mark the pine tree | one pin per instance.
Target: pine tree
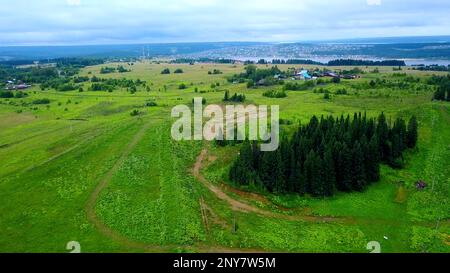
(383, 136)
(271, 173)
(373, 160)
(313, 172)
(411, 134)
(266, 170)
(358, 172)
(338, 163)
(286, 151)
(256, 156)
(227, 96)
(396, 151)
(294, 176)
(346, 162)
(328, 172)
(440, 93)
(400, 130)
(279, 181)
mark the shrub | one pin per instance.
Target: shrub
(107, 70)
(342, 92)
(293, 86)
(178, 71)
(151, 104)
(165, 71)
(135, 112)
(275, 94)
(336, 80)
(122, 69)
(6, 94)
(20, 95)
(41, 101)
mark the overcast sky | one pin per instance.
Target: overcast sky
(57, 22)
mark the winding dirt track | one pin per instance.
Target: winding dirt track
(236, 205)
(245, 207)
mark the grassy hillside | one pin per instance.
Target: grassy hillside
(83, 169)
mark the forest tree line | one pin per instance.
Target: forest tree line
(326, 156)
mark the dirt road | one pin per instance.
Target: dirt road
(245, 207)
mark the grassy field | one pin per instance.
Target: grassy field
(83, 169)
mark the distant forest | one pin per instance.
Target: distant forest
(349, 62)
(326, 156)
(339, 62)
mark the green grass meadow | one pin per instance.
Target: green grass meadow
(54, 156)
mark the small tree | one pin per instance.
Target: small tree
(411, 134)
(165, 71)
(226, 96)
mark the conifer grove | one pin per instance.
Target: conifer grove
(327, 155)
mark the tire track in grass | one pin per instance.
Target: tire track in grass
(90, 205)
(124, 240)
(70, 149)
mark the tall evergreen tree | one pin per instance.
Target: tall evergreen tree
(440, 93)
(345, 184)
(226, 96)
(278, 173)
(286, 151)
(373, 160)
(328, 172)
(412, 133)
(383, 137)
(313, 172)
(358, 172)
(266, 170)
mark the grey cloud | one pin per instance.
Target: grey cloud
(118, 21)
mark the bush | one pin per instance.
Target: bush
(165, 71)
(66, 87)
(234, 98)
(107, 70)
(336, 80)
(179, 71)
(215, 72)
(20, 95)
(122, 69)
(275, 94)
(151, 104)
(41, 101)
(135, 112)
(182, 86)
(6, 94)
(342, 92)
(293, 86)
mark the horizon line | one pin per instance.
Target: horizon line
(341, 40)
